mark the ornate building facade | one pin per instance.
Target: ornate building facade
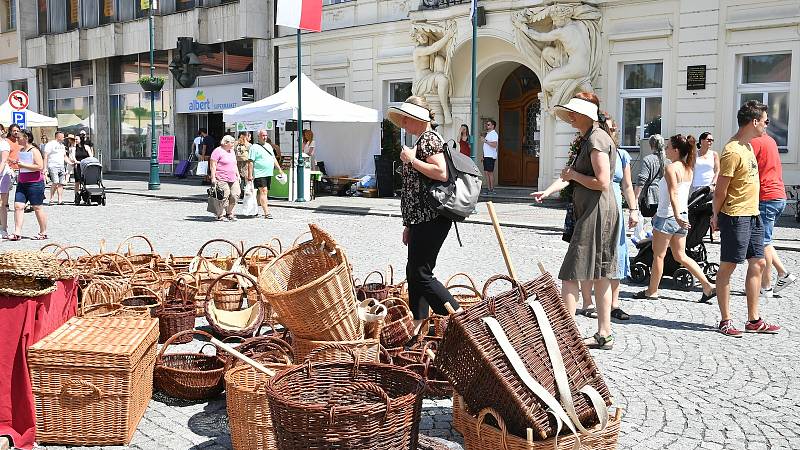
(659, 66)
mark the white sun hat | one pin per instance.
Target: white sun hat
(577, 105)
(411, 110)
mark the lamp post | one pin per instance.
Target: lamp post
(301, 163)
(154, 184)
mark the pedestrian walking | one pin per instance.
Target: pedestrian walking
(592, 252)
(82, 151)
(772, 201)
(738, 220)
(671, 222)
(463, 140)
(6, 181)
(225, 175)
(425, 230)
(650, 175)
(242, 152)
(30, 186)
(490, 142)
(69, 143)
(706, 166)
(260, 169)
(206, 147)
(56, 159)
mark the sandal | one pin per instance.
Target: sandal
(590, 312)
(642, 295)
(14, 237)
(599, 342)
(707, 298)
(619, 314)
(231, 218)
(39, 237)
(222, 219)
(268, 217)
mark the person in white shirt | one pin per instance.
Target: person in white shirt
(490, 141)
(6, 182)
(198, 141)
(56, 159)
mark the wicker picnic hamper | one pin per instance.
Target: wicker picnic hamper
(245, 322)
(146, 259)
(311, 290)
(480, 435)
(464, 299)
(378, 291)
(92, 380)
(398, 327)
(190, 376)
(482, 374)
(354, 405)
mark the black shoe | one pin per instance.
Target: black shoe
(642, 295)
(707, 298)
(619, 314)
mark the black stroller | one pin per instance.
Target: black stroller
(700, 211)
(91, 189)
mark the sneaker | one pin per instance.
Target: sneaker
(766, 293)
(784, 281)
(726, 327)
(761, 327)
(599, 342)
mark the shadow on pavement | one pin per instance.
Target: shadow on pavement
(201, 219)
(342, 210)
(667, 324)
(212, 422)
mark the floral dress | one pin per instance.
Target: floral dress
(413, 205)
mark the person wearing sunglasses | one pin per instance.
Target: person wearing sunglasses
(706, 166)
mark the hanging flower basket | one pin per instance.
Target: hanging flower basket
(151, 84)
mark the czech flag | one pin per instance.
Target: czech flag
(300, 14)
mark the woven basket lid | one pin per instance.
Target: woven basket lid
(27, 263)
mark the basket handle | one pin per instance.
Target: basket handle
(467, 287)
(178, 335)
(277, 344)
(363, 386)
(254, 249)
(137, 236)
(113, 258)
(503, 429)
(246, 276)
(168, 266)
(385, 354)
(383, 280)
(57, 250)
(234, 246)
(465, 275)
(277, 241)
(332, 346)
(146, 271)
(69, 383)
(391, 275)
(147, 290)
(514, 283)
(297, 241)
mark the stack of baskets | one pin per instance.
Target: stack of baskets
(30, 273)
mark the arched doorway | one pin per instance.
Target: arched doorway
(519, 129)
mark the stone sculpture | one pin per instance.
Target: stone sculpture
(433, 53)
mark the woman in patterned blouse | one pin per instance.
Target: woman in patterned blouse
(425, 230)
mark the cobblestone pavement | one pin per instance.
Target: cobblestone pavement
(682, 385)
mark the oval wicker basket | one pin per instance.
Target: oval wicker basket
(263, 349)
(176, 314)
(243, 323)
(146, 259)
(464, 299)
(367, 350)
(190, 376)
(378, 291)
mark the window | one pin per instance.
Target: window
(42, 16)
(641, 98)
(336, 90)
(213, 61)
(72, 14)
(130, 124)
(766, 78)
(73, 114)
(9, 15)
(184, 5)
(399, 91)
(238, 56)
(334, 2)
(18, 85)
(68, 75)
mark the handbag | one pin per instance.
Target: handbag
(569, 223)
(202, 168)
(650, 191)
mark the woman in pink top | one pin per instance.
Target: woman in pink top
(225, 177)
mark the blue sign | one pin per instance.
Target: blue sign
(19, 118)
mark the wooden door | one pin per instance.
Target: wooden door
(518, 127)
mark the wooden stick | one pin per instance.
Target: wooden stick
(501, 240)
(430, 354)
(449, 308)
(530, 436)
(541, 268)
(242, 357)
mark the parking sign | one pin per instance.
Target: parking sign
(19, 118)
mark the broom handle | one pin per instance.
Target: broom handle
(501, 240)
(241, 357)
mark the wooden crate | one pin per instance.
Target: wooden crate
(92, 379)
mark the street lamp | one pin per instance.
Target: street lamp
(154, 183)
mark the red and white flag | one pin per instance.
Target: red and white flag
(301, 14)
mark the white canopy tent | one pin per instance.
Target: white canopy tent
(34, 120)
(347, 136)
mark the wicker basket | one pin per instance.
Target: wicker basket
(372, 314)
(180, 263)
(248, 410)
(175, 314)
(149, 278)
(255, 261)
(220, 264)
(147, 259)
(465, 300)
(436, 384)
(345, 406)
(141, 299)
(92, 380)
(336, 351)
(311, 289)
(481, 373)
(190, 376)
(243, 323)
(378, 291)
(479, 435)
(398, 327)
(263, 349)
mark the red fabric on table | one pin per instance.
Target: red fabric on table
(24, 321)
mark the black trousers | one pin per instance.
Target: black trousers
(424, 242)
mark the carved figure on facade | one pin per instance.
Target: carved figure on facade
(433, 54)
(570, 53)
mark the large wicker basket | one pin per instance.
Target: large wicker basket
(190, 376)
(92, 380)
(481, 373)
(333, 351)
(479, 435)
(311, 290)
(345, 406)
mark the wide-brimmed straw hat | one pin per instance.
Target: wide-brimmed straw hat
(396, 113)
(577, 105)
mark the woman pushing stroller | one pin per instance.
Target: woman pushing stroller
(671, 222)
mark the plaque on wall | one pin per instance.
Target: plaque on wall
(695, 78)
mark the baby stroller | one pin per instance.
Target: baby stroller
(700, 211)
(91, 189)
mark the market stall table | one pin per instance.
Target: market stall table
(25, 321)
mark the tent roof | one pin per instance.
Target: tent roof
(34, 119)
(318, 106)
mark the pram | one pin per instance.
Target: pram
(700, 211)
(90, 188)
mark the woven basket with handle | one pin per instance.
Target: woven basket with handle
(465, 299)
(398, 327)
(147, 259)
(190, 376)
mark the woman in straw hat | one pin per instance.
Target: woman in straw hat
(592, 253)
(425, 230)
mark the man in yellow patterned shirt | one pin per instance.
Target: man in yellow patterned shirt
(736, 216)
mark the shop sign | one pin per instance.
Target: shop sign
(208, 98)
(166, 149)
(253, 125)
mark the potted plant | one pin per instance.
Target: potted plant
(151, 84)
